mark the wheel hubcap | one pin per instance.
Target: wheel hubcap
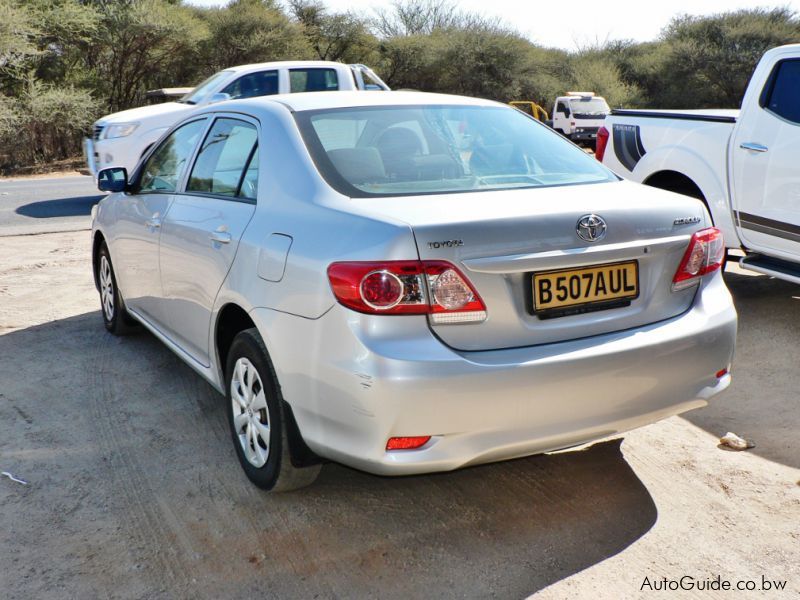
(250, 414)
(106, 288)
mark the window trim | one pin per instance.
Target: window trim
(769, 89)
(234, 117)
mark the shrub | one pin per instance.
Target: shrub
(45, 123)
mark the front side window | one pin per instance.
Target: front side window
(783, 93)
(313, 80)
(222, 165)
(198, 94)
(164, 169)
(405, 150)
(263, 83)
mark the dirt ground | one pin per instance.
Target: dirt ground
(134, 490)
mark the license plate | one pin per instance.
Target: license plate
(569, 288)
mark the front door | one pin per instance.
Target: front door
(201, 232)
(139, 218)
(764, 164)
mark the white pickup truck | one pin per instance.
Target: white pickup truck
(743, 164)
(120, 139)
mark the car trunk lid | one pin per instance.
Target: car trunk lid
(500, 240)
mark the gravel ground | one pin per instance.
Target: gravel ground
(134, 490)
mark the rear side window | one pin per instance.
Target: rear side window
(782, 92)
(313, 80)
(263, 83)
(222, 164)
(166, 166)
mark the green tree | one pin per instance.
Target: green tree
(596, 72)
(141, 44)
(17, 36)
(66, 30)
(250, 31)
(709, 60)
(341, 37)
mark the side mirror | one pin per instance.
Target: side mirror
(219, 97)
(114, 179)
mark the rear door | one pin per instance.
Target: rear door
(202, 230)
(764, 159)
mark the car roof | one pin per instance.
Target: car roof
(286, 64)
(329, 100)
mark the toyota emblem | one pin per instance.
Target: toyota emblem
(591, 228)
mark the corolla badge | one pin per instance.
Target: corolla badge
(591, 228)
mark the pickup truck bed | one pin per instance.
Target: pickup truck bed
(680, 150)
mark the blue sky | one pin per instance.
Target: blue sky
(574, 23)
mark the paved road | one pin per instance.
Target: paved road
(45, 205)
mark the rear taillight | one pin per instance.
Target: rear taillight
(704, 255)
(602, 142)
(409, 287)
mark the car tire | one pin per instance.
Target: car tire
(112, 305)
(257, 419)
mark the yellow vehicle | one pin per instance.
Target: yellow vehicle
(531, 108)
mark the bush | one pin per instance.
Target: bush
(45, 123)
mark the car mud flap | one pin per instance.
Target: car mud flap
(301, 454)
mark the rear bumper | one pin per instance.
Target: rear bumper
(355, 380)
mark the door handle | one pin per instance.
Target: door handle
(753, 146)
(154, 223)
(222, 237)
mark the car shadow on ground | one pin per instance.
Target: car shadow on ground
(62, 207)
(761, 403)
(119, 433)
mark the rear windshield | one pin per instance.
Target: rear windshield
(409, 150)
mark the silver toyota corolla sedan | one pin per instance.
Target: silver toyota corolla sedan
(407, 282)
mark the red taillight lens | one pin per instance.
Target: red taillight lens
(704, 255)
(381, 290)
(602, 142)
(436, 287)
(407, 443)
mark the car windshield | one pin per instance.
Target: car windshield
(589, 106)
(198, 94)
(408, 150)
